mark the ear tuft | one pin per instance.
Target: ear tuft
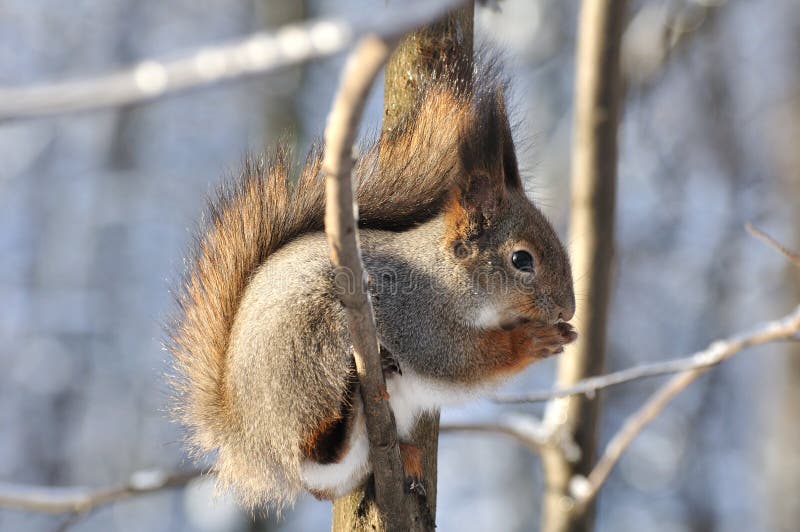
(486, 143)
(510, 166)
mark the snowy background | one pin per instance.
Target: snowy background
(96, 211)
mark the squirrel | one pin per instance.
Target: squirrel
(468, 280)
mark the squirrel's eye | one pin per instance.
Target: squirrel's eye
(522, 260)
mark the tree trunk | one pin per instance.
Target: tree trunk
(782, 462)
(443, 48)
(594, 163)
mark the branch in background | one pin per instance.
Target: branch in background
(258, 53)
(793, 257)
(699, 360)
(657, 32)
(69, 521)
(82, 500)
(525, 429)
(528, 432)
(584, 489)
(78, 501)
(594, 180)
(340, 225)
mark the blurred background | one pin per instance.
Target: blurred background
(97, 210)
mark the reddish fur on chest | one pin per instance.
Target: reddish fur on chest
(508, 352)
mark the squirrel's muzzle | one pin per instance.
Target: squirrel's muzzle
(563, 307)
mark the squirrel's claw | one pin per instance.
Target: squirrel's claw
(389, 363)
(549, 340)
(568, 333)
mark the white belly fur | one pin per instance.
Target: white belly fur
(409, 396)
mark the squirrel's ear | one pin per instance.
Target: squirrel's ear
(473, 206)
(486, 142)
(510, 166)
(488, 167)
(481, 192)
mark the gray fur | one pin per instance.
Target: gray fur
(289, 349)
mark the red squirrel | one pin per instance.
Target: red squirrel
(468, 280)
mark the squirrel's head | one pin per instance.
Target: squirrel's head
(505, 245)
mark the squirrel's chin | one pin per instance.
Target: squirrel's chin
(513, 323)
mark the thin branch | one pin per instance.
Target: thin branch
(793, 257)
(527, 430)
(584, 489)
(71, 520)
(78, 501)
(591, 385)
(259, 53)
(340, 225)
(81, 500)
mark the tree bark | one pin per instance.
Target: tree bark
(442, 48)
(594, 163)
(782, 462)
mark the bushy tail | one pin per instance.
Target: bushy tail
(248, 220)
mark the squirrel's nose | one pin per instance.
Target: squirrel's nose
(566, 310)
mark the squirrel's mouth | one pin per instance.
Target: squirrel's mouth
(513, 323)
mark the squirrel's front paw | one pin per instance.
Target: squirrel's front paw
(568, 332)
(550, 340)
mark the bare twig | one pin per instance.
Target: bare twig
(340, 226)
(527, 430)
(78, 501)
(793, 257)
(71, 520)
(258, 53)
(593, 384)
(584, 489)
(82, 500)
